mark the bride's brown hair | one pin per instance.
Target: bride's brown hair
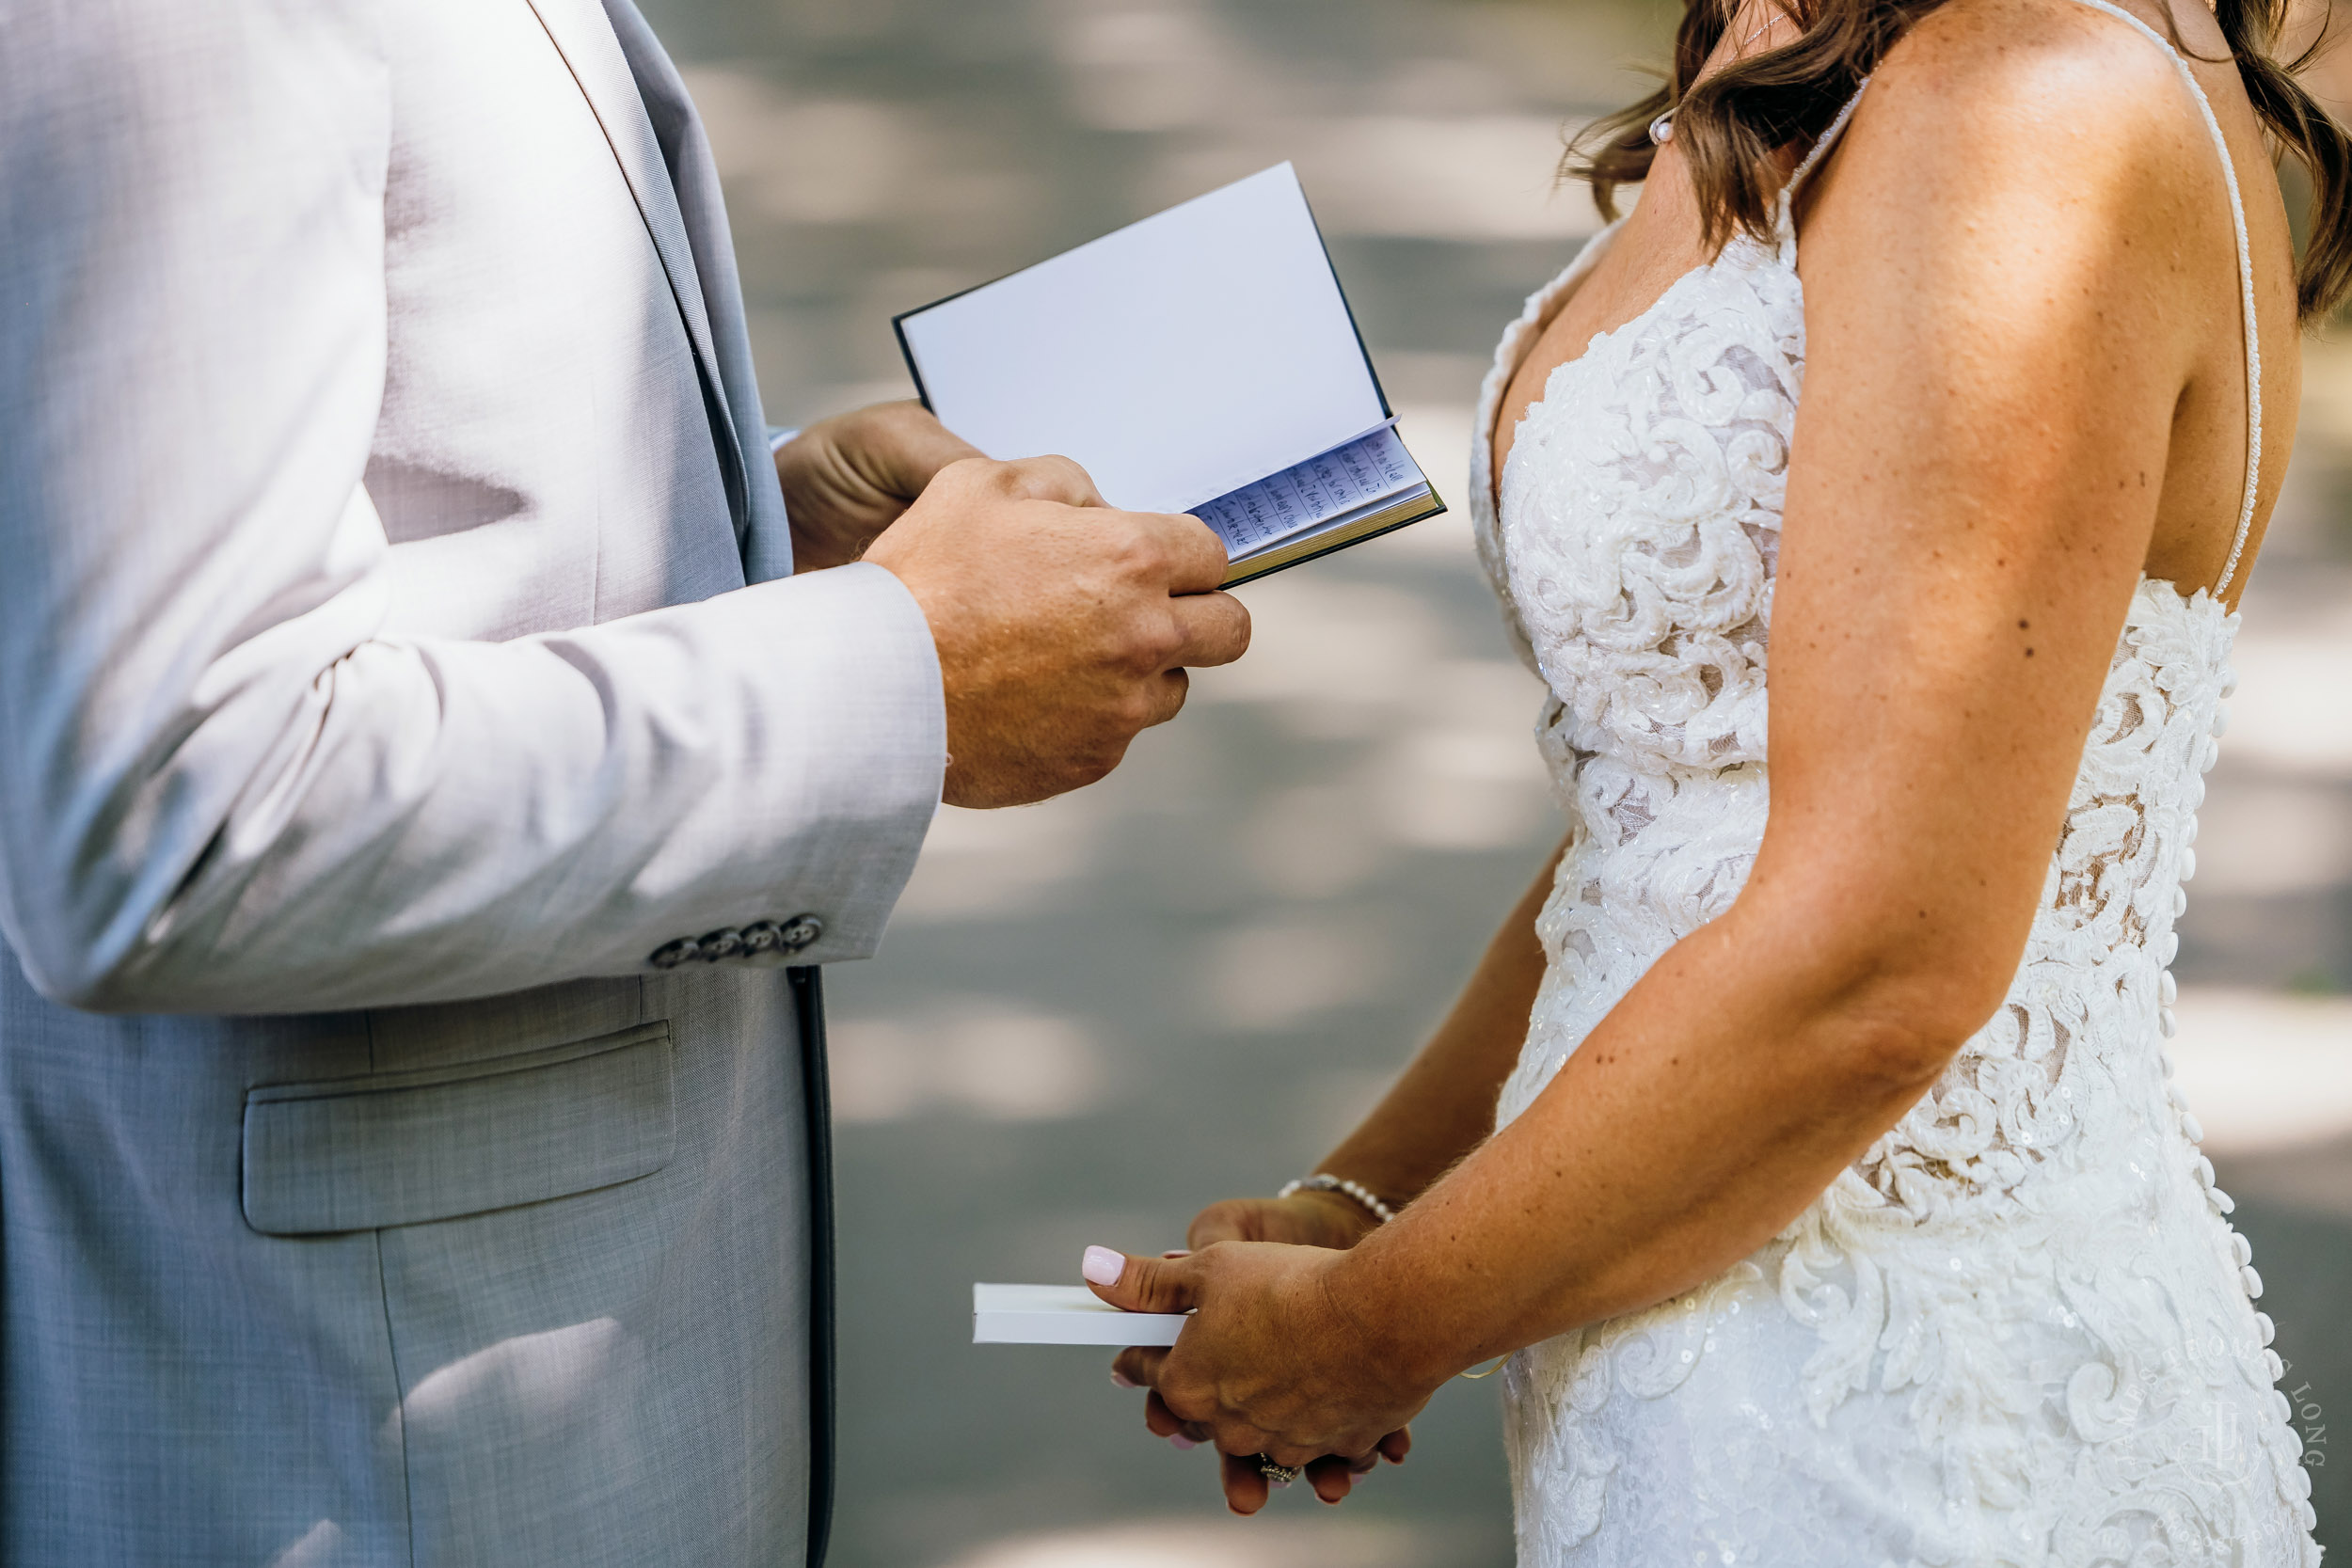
(1732, 126)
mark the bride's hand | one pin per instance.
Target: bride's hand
(1304, 1219)
(1270, 1364)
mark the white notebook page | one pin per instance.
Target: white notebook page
(1178, 360)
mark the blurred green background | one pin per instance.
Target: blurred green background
(1093, 1016)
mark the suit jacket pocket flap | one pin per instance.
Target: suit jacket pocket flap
(402, 1148)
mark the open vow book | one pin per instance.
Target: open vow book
(1202, 360)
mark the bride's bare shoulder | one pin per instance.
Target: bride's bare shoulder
(2027, 105)
(2034, 53)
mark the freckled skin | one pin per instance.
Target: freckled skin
(2024, 388)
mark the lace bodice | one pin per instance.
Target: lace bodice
(2019, 1329)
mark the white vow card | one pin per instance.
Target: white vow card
(1063, 1315)
(1178, 360)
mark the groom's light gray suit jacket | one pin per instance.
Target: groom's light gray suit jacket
(380, 474)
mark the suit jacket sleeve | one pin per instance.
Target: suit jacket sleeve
(222, 787)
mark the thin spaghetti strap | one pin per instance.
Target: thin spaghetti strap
(2246, 290)
(1785, 219)
(1820, 149)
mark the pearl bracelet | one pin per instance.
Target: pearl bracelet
(1324, 1182)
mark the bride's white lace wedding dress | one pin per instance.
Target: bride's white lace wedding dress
(2018, 1331)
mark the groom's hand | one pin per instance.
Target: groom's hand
(848, 478)
(1063, 627)
(1267, 1367)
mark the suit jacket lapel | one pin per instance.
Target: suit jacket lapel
(586, 40)
(765, 535)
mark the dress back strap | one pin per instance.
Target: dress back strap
(2246, 289)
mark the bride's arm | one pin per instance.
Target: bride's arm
(2005, 305)
(1439, 1108)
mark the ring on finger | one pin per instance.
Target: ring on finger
(1278, 1475)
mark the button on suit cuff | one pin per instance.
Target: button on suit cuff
(761, 941)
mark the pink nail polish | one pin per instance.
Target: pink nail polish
(1188, 1444)
(1101, 1266)
(1123, 1380)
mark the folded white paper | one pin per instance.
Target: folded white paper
(1063, 1315)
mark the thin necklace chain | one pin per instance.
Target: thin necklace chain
(1661, 130)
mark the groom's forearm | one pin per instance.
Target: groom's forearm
(1442, 1105)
